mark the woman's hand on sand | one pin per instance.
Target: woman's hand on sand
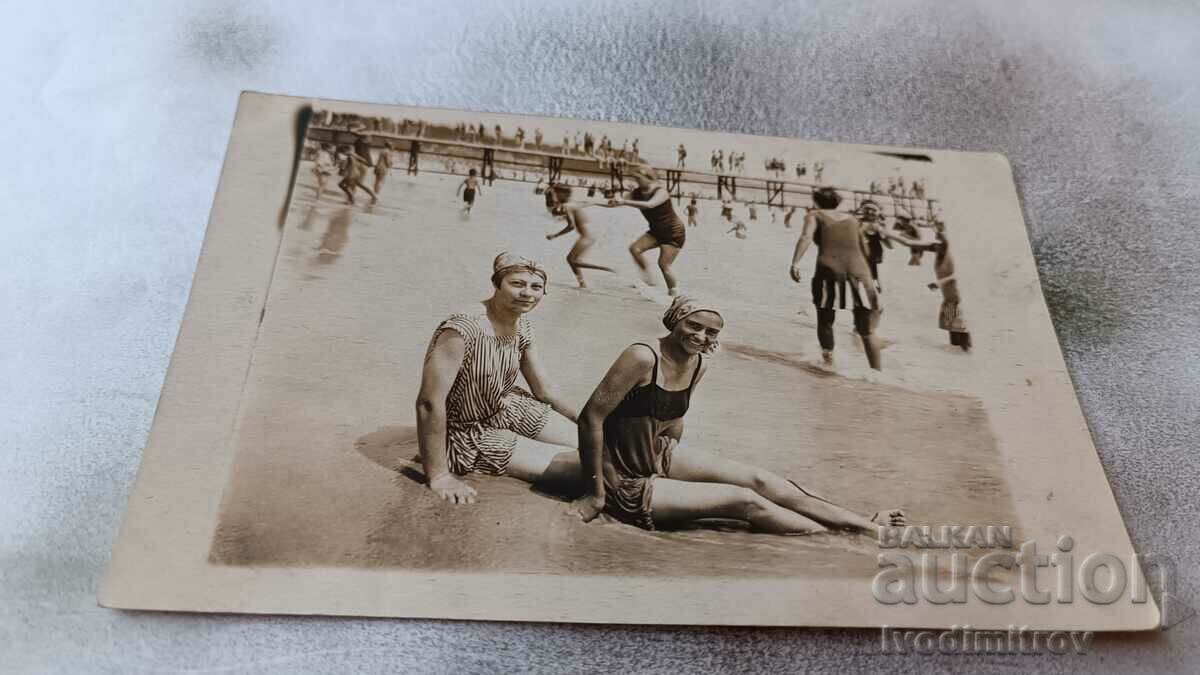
(452, 489)
(587, 507)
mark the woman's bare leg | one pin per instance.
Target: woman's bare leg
(697, 465)
(548, 466)
(549, 459)
(676, 502)
(638, 249)
(574, 259)
(374, 197)
(666, 257)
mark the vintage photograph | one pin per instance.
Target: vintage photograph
(454, 364)
(551, 349)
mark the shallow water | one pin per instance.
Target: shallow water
(323, 469)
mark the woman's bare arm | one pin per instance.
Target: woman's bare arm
(437, 376)
(806, 240)
(541, 386)
(628, 371)
(657, 198)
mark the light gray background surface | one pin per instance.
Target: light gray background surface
(115, 122)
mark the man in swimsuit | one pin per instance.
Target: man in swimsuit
(727, 209)
(692, 210)
(354, 170)
(682, 156)
(324, 167)
(842, 279)
(471, 416)
(382, 166)
(876, 234)
(362, 147)
(468, 187)
(634, 468)
(558, 202)
(950, 315)
(667, 233)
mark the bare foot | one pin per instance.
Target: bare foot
(890, 518)
(827, 357)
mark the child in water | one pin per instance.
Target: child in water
(468, 187)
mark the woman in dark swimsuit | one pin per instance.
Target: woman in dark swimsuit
(667, 232)
(634, 470)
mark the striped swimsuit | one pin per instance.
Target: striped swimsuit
(485, 410)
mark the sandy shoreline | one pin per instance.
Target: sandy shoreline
(326, 427)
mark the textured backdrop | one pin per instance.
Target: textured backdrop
(115, 122)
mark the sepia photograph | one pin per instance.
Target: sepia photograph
(495, 347)
(600, 337)
(496, 350)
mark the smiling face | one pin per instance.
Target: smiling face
(519, 292)
(697, 333)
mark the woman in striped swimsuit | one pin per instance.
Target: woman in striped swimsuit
(471, 416)
(635, 471)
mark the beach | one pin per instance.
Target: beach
(324, 471)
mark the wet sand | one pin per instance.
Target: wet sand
(324, 472)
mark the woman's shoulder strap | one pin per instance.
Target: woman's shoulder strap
(696, 372)
(654, 372)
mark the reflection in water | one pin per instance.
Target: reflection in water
(309, 217)
(336, 236)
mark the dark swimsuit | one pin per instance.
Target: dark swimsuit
(665, 226)
(637, 448)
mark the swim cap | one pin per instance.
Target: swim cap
(506, 263)
(684, 306)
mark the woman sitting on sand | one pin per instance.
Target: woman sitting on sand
(635, 471)
(471, 416)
